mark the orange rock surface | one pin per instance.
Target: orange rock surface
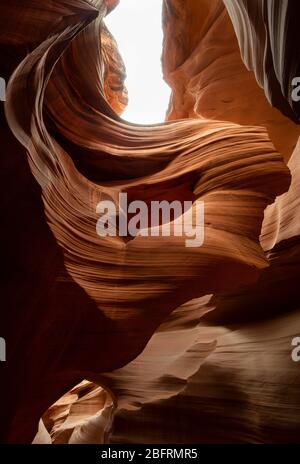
(104, 330)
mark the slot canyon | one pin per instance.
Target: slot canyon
(111, 339)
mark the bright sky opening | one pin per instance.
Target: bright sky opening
(137, 28)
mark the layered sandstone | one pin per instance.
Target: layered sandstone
(203, 65)
(104, 330)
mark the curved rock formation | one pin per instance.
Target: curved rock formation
(125, 314)
(202, 64)
(268, 36)
(114, 72)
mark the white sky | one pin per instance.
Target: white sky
(136, 26)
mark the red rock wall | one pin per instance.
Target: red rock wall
(148, 319)
(202, 63)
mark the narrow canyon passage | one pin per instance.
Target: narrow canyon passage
(190, 345)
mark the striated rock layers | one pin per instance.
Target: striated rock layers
(202, 64)
(268, 36)
(103, 330)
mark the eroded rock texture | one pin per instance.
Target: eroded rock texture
(103, 330)
(203, 65)
(268, 35)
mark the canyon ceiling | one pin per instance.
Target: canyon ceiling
(146, 340)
